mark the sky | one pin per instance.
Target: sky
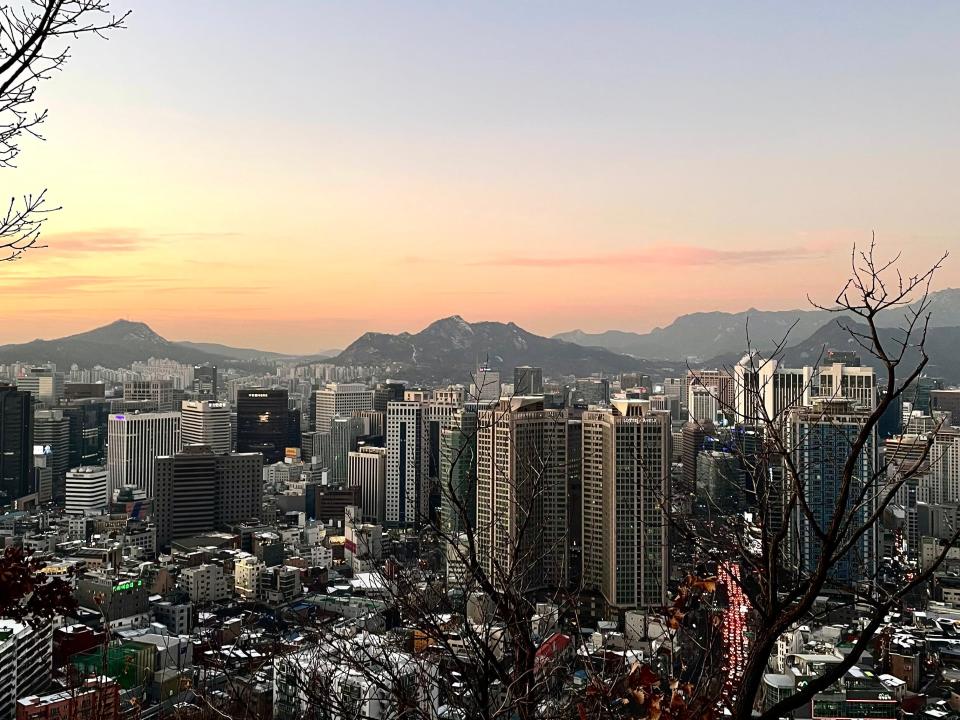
(289, 175)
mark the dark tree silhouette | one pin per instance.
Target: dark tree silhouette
(34, 44)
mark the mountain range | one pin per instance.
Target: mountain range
(119, 344)
(705, 335)
(451, 350)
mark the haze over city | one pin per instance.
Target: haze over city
(290, 175)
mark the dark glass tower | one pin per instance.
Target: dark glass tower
(205, 382)
(16, 444)
(263, 422)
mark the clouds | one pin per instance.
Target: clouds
(663, 256)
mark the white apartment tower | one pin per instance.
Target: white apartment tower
(206, 422)
(134, 442)
(407, 483)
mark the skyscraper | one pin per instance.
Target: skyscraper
(45, 384)
(819, 438)
(160, 393)
(263, 420)
(16, 443)
(198, 491)
(408, 488)
(522, 493)
(134, 442)
(51, 430)
(458, 472)
(527, 380)
(341, 399)
(367, 467)
(86, 491)
(206, 422)
(88, 430)
(205, 382)
(626, 473)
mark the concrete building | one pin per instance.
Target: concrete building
(626, 488)
(205, 584)
(341, 399)
(87, 491)
(26, 662)
(198, 491)
(162, 393)
(44, 384)
(368, 468)
(134, 442)
(522, 492)
(206, 422)
(407, 482)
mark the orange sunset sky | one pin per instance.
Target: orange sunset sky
(288, 175)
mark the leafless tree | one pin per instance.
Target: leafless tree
(34, 44)
(801, 543)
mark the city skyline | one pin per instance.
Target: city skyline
(473, 160)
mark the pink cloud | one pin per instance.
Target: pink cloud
(670, 255)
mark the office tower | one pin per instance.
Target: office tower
(946, 401)
(16, 444)
(718, 384)
(388, 392)
(294, 417)
(522, 493)
(375, 422)
(440, 411)
(86, 491)
(408, 487)
(527, 380)
(83, 391)
(694, 437)
(721, 483)
(458, 473)
(134, 442)
(206, 422)
(704, 406)
(676, 387)
(160, 393)
(485, 386)
(367, 467)
(205, 382)
(589, 391)
(819, 438)
(262, 422)
(341, 399)
(45, 384)
(344, 434)
(626, 486)
(51, 430)
(845, 382)
(198, 491)
(310, 445)
(87, 418)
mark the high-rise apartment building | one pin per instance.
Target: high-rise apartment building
(341, 399)
(626, 493)
(819, 438)
(198, 490)
(134, 442)
(162, 393)
(86, 491)
(408, 487)
(367, 467)
(522, 493)
(206, 422)
(263, 420)
(16, 444)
